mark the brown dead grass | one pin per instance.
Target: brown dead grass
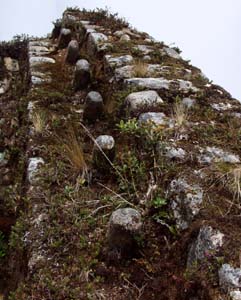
(140, 69)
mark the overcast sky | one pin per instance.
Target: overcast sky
(207, 31)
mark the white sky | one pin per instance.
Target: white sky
(207, 31)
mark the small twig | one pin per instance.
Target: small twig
(119, 196)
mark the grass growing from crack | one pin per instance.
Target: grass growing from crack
(73, 151)
(39, 120)
(180, 114)
(140, 69)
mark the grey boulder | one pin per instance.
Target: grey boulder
(72, 52)
(94, 107)
(81, 74)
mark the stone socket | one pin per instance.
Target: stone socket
(93, 108)
(72, 52)
(106, 143)
(124, 225)
(64, 38)
(81, 74)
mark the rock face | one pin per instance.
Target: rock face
(229, 277)
(64, 38)
(214, 154)
(152, 118)
(94, 42)
(124, 224)
(139, 100)
(72, 52)
(81, 74)
(207, 244)
(94, 106)
(185, 200)
(118, 61)
(33, 167)
(103, 149)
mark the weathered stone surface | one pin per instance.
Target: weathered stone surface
(186, 201)
(39, 60)
(38, 50)
(95, 39)
(188, 102)
(125, 38)
(221, 106)
(33, 168)
(156, 118)
(4, 86)
(72, 52)
(145, 49)
(145, 99)
(214, 154)
(81, 74)
(64, 38)
(38, 78)
(118, 61)
(11, 64)
(149, 83)
(174, 153)
(229, 277)
(235, 295)
(105, 143)
(41, 43)
(162, 83)
(171, 52)
(208, 242)
(128, 71)
(93, 108)
(124, 224)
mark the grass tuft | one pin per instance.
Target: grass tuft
(39, 121)
(73, 151)
(140, 69)
(180, 114)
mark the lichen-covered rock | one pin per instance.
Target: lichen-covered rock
(235, 295)
(38, 50)
(64, 38)
(124, 225)
(229, 277)
(171, 52)
(186, 201)
(156, 118)
(221, 106)
(94, 107)
(72, 52)
(11, 64)
(208, 242)
(188, 102)
(214, 154)
(33, 168)
(81, 74)
(125, 38)
(145, 49)
(128, 71)
(95, 39)
(142, 100)
(4, 86)
(39, 60)
(118, 61)
(173, 152)
(38, 78)
(104, 148)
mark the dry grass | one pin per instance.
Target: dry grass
(140, 69)
(39, 121)
(73, 151)
(234, 182)
(180, 114)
